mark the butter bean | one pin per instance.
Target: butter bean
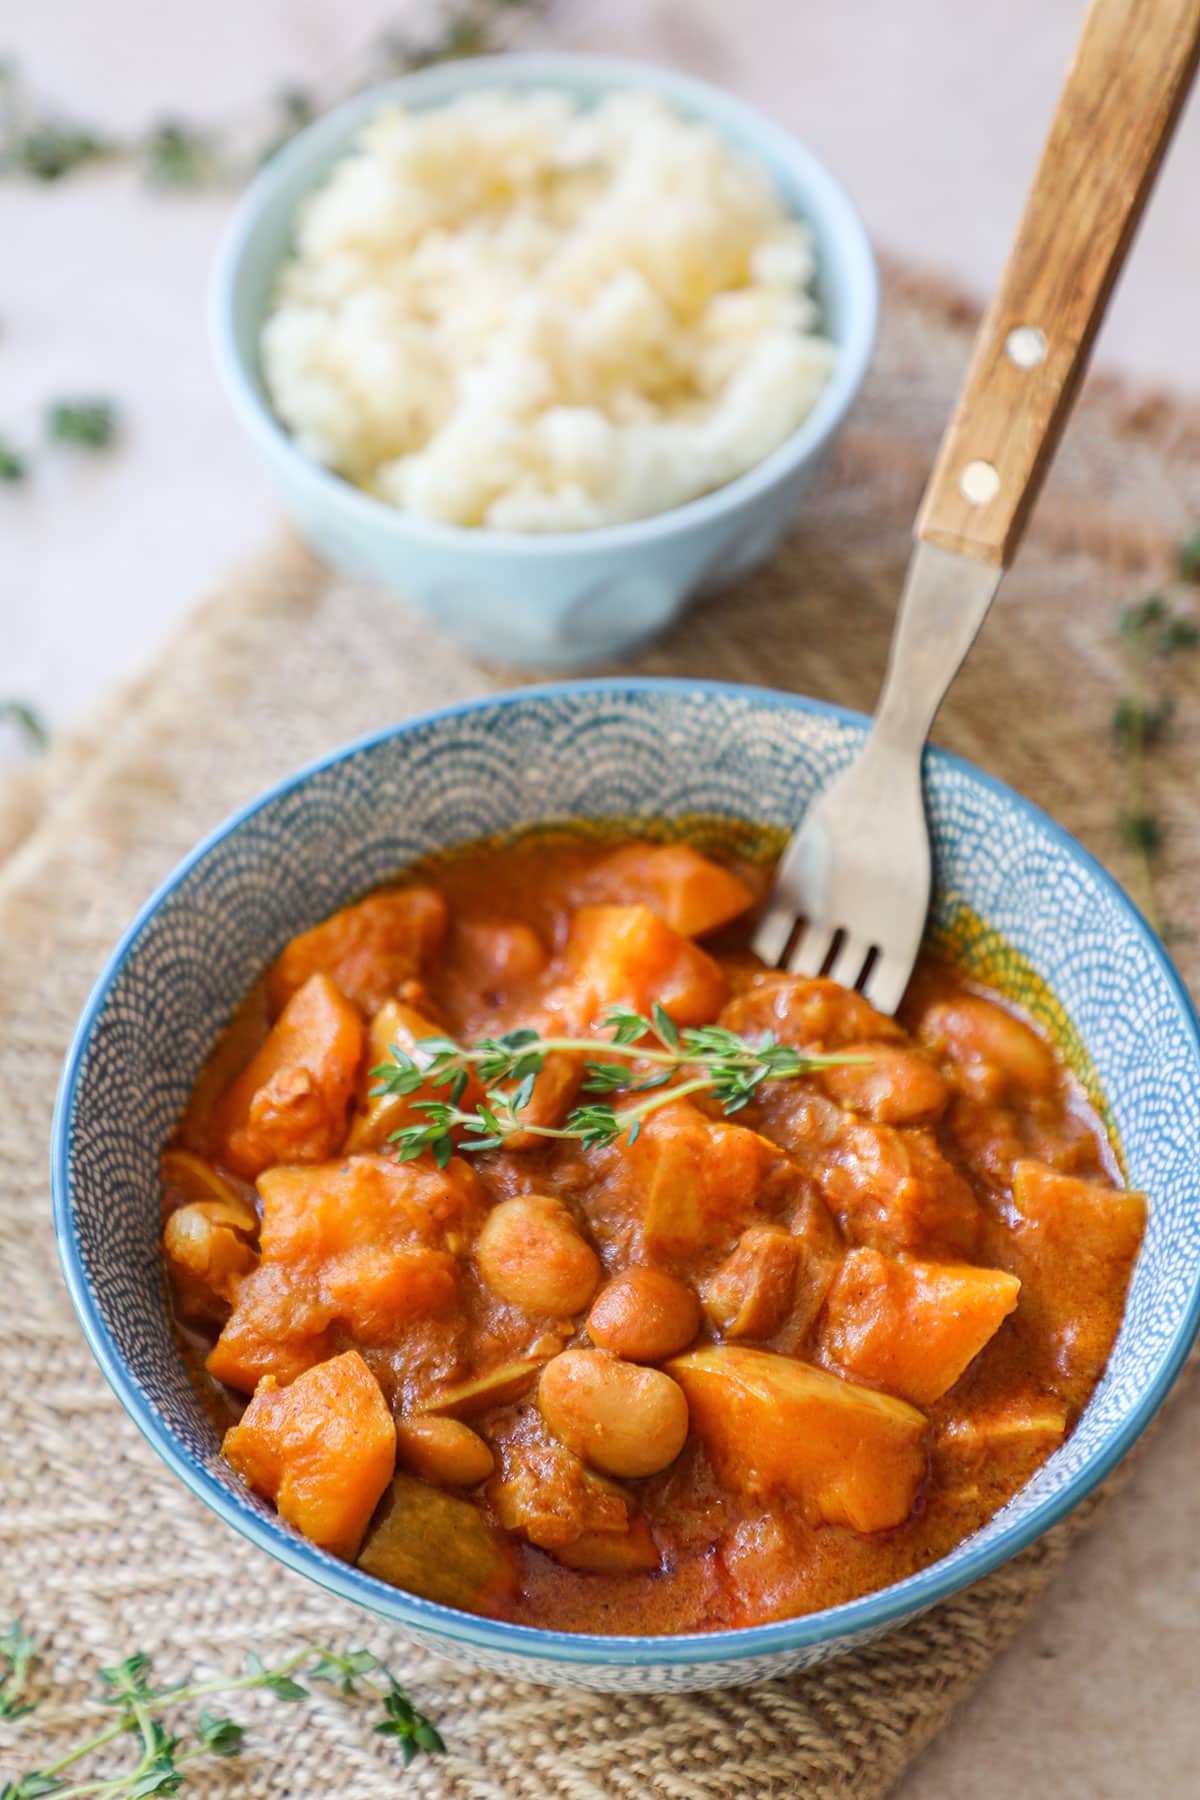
(530, 1253)
(444, 1451)
(620, 1418)
(644, 1315)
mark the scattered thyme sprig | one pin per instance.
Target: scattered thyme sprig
(1188, 557)
(13, 466)
(1152, 632)
(41, 143)
(79, 424)
(715, 1061)
(35, 731)
(89, 423)
(168, 1743)
(18, 1648)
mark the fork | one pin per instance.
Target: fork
(851, 895)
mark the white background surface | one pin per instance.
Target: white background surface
(932, 111)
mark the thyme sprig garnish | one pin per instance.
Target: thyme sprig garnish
(168, 1742)
(1152, 632)
(41, 142)
(644, 1055)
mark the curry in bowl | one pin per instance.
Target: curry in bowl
(541, 1252)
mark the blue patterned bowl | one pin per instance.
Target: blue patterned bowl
(1017, 896)
(562, 600)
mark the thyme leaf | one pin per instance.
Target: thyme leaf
(13, 466)
(37, 734)
(18, 1651)
(644, 1055)
(1152, 631)
(90, 423)
(1142, 832)
(1189, 557)
(39, 142)
(412, 1730)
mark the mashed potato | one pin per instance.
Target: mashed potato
(511, 313)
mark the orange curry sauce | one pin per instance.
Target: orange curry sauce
(861, 1312)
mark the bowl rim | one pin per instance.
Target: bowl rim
(828, 1628)
(713, 105)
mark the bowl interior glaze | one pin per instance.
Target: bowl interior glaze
(1015, 894)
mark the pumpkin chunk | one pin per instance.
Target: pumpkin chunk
(440, 1546)
(344, 1226)
(849, 1455)
(692, 894)
(368, 1243)
(370, 950)
(555, 1090)
(698, 1179)
(376, 1290)
(912, 1327)
(277, 1327)
(1099, 1223)
(313, 1215)
(289, 1103)
(381, 1115)
(1098, 1230)
(628, 956)
(322, 1449)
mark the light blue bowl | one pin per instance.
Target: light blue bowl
(1010, 886)
(565, 600)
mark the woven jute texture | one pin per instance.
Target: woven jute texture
(100, 1547)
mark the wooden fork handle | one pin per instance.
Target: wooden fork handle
(1123, 94)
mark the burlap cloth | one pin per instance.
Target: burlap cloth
(100, 1547)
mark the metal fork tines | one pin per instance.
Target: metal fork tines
(851, 893)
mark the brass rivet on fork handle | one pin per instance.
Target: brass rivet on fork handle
(851, 894)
